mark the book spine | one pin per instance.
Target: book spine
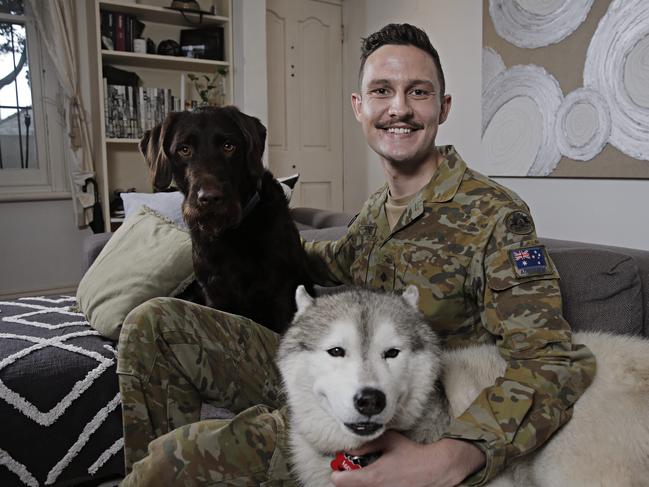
(128, 33)
(120, 32)
(106, 107)
(131, 113)
(140, 109)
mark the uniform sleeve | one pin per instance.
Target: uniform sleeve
(545, 374)
(329, 262)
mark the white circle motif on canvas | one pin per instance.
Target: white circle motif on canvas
(519, 108)
(492, 65)
(617, 66)
(583, 124)
(537, 23)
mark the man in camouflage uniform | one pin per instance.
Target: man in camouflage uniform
(467, 243)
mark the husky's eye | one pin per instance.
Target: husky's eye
(391, 353)
(336, 352)
(228, 147)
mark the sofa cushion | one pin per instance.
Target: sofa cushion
(601, 290)
(147, 257)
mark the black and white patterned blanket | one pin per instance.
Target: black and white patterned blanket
(60, 415)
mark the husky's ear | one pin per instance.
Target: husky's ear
(303, 300)
(411, 296)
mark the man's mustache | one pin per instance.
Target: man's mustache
(411, 124)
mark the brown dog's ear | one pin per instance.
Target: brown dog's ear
(255, 134)
(154, 146)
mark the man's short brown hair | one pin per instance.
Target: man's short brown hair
(402, 35)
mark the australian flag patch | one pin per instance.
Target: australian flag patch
(530, 261)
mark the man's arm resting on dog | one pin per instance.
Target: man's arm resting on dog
(403, 462)
(545, 374)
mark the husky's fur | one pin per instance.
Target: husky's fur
(605, 444)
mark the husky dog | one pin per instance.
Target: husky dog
(357, 363)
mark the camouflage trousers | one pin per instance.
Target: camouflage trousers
(173, 357)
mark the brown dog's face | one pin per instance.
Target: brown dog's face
(214, 155)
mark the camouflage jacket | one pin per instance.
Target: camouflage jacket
(470, 247)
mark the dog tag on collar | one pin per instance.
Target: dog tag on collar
(345, 461)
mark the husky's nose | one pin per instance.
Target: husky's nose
(369, 401)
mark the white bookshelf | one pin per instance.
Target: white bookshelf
(119, 164)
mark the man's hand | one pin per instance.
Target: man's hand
(446, 462)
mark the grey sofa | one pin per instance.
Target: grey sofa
(604, 288)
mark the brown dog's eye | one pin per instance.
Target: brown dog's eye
(185, 150)
(228, 147)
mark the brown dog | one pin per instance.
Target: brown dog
(247, 253)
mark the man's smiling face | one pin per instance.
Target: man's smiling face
(400, 107)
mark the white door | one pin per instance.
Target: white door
(305, 99)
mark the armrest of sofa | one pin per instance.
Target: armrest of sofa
(91, 247)
(308, 218)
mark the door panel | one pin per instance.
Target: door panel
(276, 41)
(305, 99)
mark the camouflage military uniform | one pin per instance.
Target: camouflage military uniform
(454, 242)
(462, 241)
(174, 356)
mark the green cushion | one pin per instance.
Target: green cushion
(147, 257)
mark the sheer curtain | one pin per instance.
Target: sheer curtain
(55, 21)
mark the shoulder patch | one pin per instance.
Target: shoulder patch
(519, 222)
(530, 261)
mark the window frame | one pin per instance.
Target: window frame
(49, 180)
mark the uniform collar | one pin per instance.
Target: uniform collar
(442, 187)
(447, 179)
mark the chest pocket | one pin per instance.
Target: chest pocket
(363, 242)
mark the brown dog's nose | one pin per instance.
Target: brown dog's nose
(208, 196)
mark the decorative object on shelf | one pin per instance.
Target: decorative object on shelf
(616, 66)
(139, 46)
(530, 23)
(210, 90)
(583, 124)
(150, 46)
(204, 43)
(169, 47)
(191, 7)
(518, 114)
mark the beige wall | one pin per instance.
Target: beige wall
(40, 247)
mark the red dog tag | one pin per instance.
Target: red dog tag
(345, 461)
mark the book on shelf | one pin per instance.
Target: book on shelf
(119, 30)
(130, 111)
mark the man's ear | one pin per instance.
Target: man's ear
(357, 103)
(445, 108)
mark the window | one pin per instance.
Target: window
(32, 137)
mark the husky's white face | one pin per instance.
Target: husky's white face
(354, 365)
